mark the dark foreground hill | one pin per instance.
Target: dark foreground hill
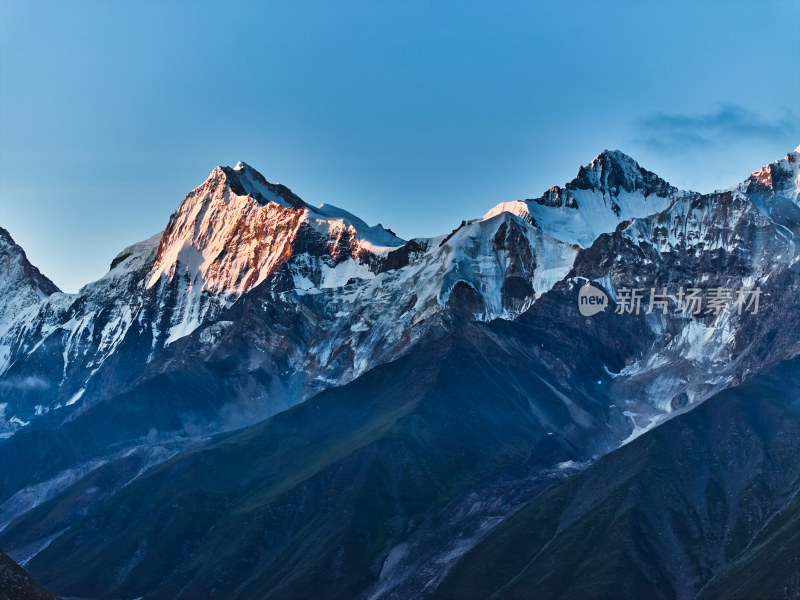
(16, 584)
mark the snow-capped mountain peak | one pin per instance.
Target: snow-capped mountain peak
(237, 229)
(244, 180)
(781, 178)
(18, 269)
(22, 288)
(611, 189)
(611, 170)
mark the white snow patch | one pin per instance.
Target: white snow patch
(339, 275)
(594, 216)
(612, 375)
(77, 396)
(651, 422)
(393, 559)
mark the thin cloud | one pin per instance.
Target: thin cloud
(729, 123)
(24, 384)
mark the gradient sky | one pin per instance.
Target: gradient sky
(413, 114)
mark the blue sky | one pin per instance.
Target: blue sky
(413, 114)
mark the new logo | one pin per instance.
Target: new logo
(591, 300)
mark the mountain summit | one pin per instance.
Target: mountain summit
(611, 189)
(236, 230)
(613, 171)
(780, 178)
(22, 288)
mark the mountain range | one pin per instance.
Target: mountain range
(272, 399)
